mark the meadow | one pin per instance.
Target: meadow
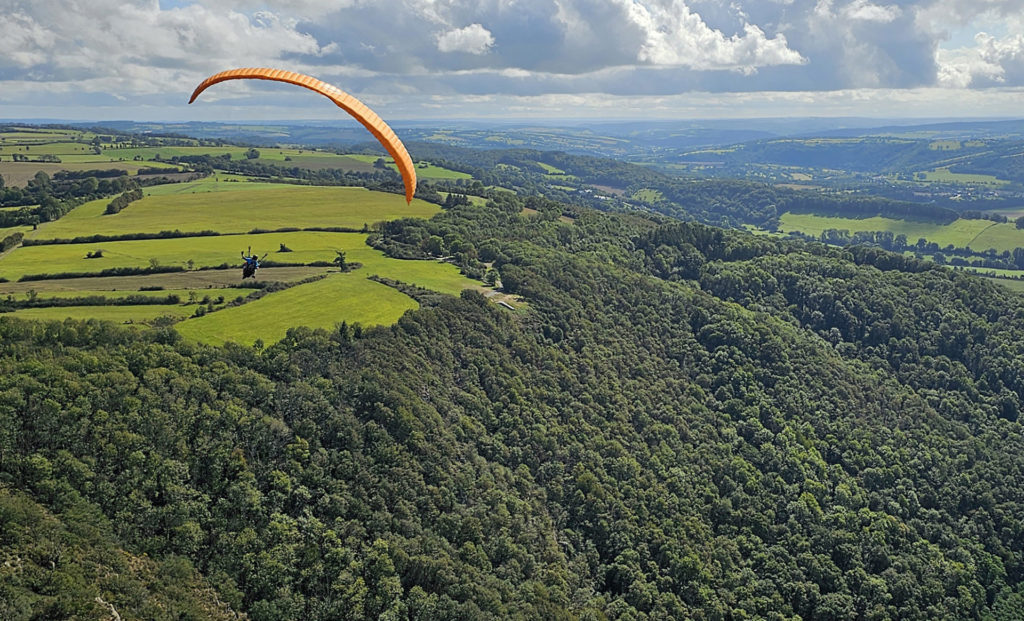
(238, 208)
(424, 170)
(946, 176)
(200, 281)
(230, 206)
(17, 174)
(120, 314)
(960, 233)
(339, 297)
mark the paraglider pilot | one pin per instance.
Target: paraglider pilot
(252, 263)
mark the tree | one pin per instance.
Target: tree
(252, 154)
(1019, 222)
(340, 260)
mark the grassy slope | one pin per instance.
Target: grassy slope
(322, 304)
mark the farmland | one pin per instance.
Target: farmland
(237, 208)
(124, 279)
(961, 233)
(346, 297)
(978, 235)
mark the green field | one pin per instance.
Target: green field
(48, 148)
(424, 170)
(648, 195)
(201, 281)
(1012, 284)
(211, 251)
(120, 314)
(960, 233)
(944, 175)
(240, 208)
(17, 174)
(551, 170)
(999, 236)
(231, 205)
(229, 293)
(340, 297)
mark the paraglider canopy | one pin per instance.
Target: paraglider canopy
(343, 100)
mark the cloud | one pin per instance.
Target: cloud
(473, 39)
(990, 62)
(862, 10)
(136, 46)
(674, 35)
(153, 52)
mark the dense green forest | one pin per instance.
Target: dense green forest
(678, 422)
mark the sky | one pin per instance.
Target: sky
(515, 59)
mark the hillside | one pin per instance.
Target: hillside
(683, 422)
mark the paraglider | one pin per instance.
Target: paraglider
(343, 100)
(252, 263)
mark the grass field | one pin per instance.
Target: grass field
(229, 293)
(960, 233)
(48, 148)
(240, 208)
(648, 195)
(120, 314)
(999, 236)
(944, 175)
(551, 170)
(17, 174)
(1011, 284)
(322, 304)
(424, 170)
(306, 246)
(231, 205)
(31, 135)
(202, 281)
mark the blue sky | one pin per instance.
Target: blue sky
(437, 59)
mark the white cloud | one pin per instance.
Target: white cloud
(674, 35)
(153, 52)
(23, 40)
(137, 46)
(473, 39)
(987, 63)
(863, 10)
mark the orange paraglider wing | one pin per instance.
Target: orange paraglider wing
(343, 100)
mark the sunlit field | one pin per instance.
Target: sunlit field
(239, 209)
(339, 297)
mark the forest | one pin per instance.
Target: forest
(679, 422)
